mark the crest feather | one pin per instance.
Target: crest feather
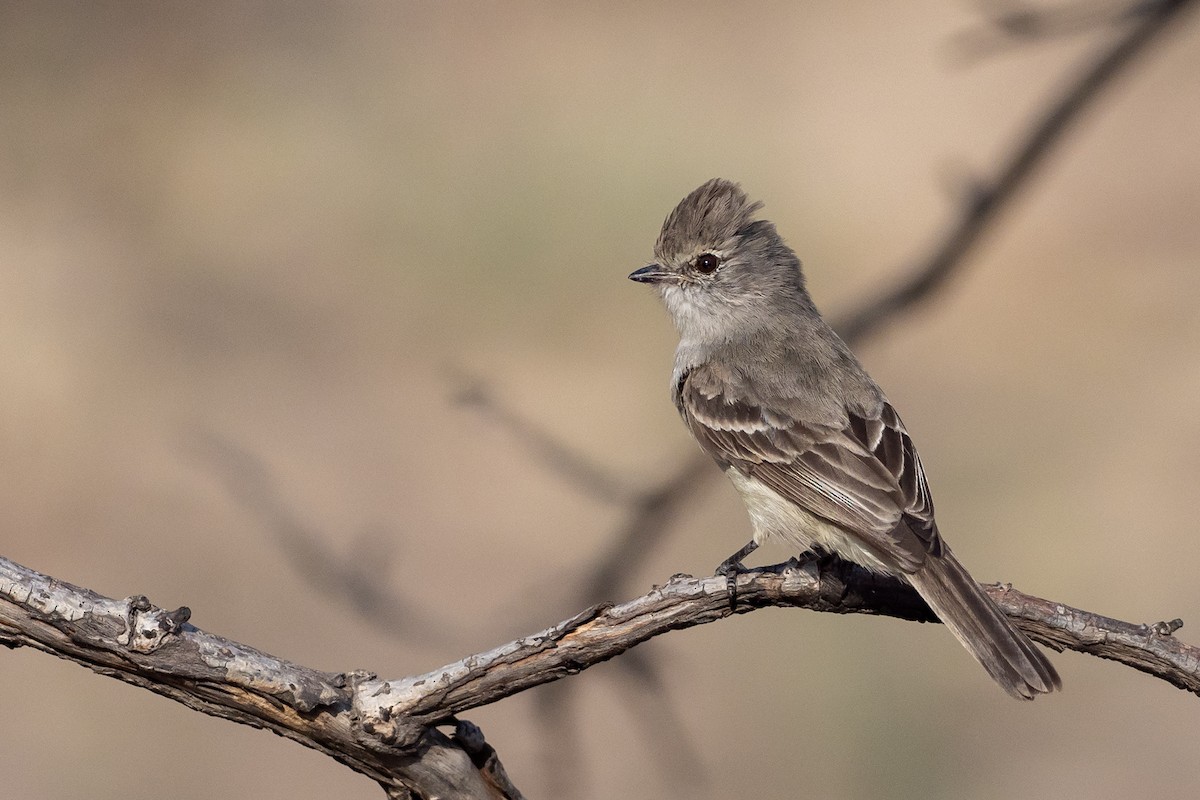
(707, 218)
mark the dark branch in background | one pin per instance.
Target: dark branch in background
(1014, 24)
(989, 198)
(573, 467)
(358, 576)
(651, 513)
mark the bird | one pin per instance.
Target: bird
(812, 445)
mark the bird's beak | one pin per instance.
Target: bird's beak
(652, 274)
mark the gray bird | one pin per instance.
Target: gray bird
(818, 454)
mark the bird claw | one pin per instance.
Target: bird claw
(731, 567)
(731, 572)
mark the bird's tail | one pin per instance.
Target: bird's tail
(975, 620)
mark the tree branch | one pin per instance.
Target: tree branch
(987, 200)
(361, 581)
(387, 730)
(135, 642)
(829, 585)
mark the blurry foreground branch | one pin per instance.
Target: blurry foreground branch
(389, 731)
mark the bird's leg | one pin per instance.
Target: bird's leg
(730, 568)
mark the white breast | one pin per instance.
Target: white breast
(776, 517)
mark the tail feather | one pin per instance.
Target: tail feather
(978, 623)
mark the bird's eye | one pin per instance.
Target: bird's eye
(707, 263)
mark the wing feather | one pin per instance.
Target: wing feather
(864, 477)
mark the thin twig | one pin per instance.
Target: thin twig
(988, 199)
(356, 576)
(573, 467)
(1011, 24)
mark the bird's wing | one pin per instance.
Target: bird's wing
(864, 477)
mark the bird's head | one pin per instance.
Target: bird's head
(721, 272)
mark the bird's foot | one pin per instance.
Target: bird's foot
(730, 568)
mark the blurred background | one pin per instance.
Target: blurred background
(294, 228)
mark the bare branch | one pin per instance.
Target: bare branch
(361, 581)
(653, 515)
(135, 642)
(387, 730)
(828, 585)
(577, 469)
(989, 199)
(1010, 24)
